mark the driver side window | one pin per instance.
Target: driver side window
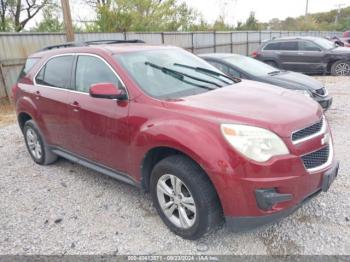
(92, 70)
(227, 70)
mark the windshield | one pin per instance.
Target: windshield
(324, 43)
(171, 73)
(250, 65)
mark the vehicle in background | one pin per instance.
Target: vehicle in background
(208, 147)
(345, 42)
(249, 68)
(311, 55)
(346, 34)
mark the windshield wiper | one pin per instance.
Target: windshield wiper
(177, 74)
(209, 73)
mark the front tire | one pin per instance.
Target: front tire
(185, 198)
(37, 148)
(341, 68)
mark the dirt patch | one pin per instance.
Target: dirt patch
(7, 113)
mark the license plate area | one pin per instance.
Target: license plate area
(329, 177)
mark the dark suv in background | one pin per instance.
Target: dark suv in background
(311, 55)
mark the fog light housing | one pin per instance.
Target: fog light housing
(267, 198)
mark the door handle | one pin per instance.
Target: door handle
(75, 106)
(301, 53)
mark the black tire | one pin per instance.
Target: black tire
(208, 209)
(46, 157)
(340, 68)
(271, 63)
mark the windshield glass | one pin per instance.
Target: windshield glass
(250, 65)
(161, 74)
(324, 43)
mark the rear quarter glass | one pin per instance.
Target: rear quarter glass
(27, 66)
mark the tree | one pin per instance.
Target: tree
(142, 15)
(51, 20)
(17, 13)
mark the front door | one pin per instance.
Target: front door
(99, 126)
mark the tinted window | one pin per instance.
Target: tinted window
(249, 65)
(289, 46)
(56, 72)
(272, 46)
(92, 70)
(308, 46)
(28, 65)
(221, 67)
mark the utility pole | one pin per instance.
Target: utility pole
(67, 17)
(306, 9)
(339, 6)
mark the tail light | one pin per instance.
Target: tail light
(255, 54)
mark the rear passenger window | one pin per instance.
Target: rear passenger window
(56, 72)
(92, 70)
(28, 65)
(273, 46)
(289, 46)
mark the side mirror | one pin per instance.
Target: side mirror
(108, 91)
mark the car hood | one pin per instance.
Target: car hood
(253, 103)
(295, 81)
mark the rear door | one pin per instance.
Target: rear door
(288, 55)
(51, 92)
(99, 126)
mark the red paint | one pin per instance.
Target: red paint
(118, 134)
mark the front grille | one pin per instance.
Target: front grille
(308, 131)
(317, 158)
(321, 91)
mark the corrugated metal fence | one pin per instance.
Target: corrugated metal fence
(15, 47)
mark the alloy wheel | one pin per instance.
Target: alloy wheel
(342, 69)
(176, 201)
(33, 143)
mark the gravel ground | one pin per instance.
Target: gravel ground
(67, 209)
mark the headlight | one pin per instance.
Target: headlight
(303, 92)
(253, 142)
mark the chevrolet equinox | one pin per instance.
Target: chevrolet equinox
(208, 148)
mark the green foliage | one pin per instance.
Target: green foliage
(325, 21)
(143, 15)
(51, 20)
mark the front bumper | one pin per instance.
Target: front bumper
(325, 102)
(244, 223)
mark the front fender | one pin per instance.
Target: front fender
(203, 143)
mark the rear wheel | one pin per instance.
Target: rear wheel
(36, 146)
(184, 197)
(341, 68)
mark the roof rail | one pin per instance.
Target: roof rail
(93, 42)
(63, 45)
(114, 41)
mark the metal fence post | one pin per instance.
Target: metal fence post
(2, 79)
(162, 36)
(247, 46)
(231, 48)
(192, 41)
(214, 41)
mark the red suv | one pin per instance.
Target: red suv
(209, 148)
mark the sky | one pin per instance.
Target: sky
(265, 10)
(233, 10)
